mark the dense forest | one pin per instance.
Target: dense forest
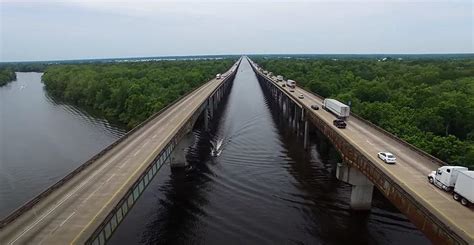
(428, 103)
(25, 66)
(129, 92)
(6, 75)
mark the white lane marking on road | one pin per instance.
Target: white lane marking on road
(370, 143)
(92, 193)
(27, 229)
(110, 178)
(62, 223)
(138, 151)
(154, 136)
(124, 163)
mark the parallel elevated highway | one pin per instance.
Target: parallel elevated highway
(87, 205)
(405, 183)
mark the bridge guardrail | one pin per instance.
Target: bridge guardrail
(32, 202)
(433, 159)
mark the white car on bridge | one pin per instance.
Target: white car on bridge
(387, 157)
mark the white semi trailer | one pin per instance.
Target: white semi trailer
(457, 179)
(337, 108)
(464, 188)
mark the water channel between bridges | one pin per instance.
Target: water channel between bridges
(264, 188)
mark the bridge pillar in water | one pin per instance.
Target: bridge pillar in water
(306, 134)
(178, 156)
(290, 112)
(298, 121)
(211, 106)
(362, 188)
(206, 118)
(295, 118)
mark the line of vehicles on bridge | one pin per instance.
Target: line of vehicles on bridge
(339, 109)
(456, 179)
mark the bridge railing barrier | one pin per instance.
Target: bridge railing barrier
(31, 203)
(432, 158)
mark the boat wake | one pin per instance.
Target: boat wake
(217, 147)
(219, 144)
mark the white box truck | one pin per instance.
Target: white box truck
(457, 179)
(339, 109)
(291, 83)
(279, 78)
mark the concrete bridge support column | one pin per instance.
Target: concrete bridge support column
(362, 188)
(206, 118)
(290, 110)
(279, 99)
(297, 121)
(178, 156)
(211, 106)
(214, 101)
(295, 117)
(306, 135)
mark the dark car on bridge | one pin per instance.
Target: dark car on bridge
(339, 123)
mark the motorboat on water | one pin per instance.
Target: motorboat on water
(217, 148)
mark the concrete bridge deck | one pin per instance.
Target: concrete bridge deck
(410, 171)
(71, 213)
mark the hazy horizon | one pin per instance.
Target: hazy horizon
(75, 30)
(223, 55)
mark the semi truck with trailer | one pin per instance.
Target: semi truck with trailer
(457, 179)
(339, 109)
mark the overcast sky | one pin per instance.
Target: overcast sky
(56, 30)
